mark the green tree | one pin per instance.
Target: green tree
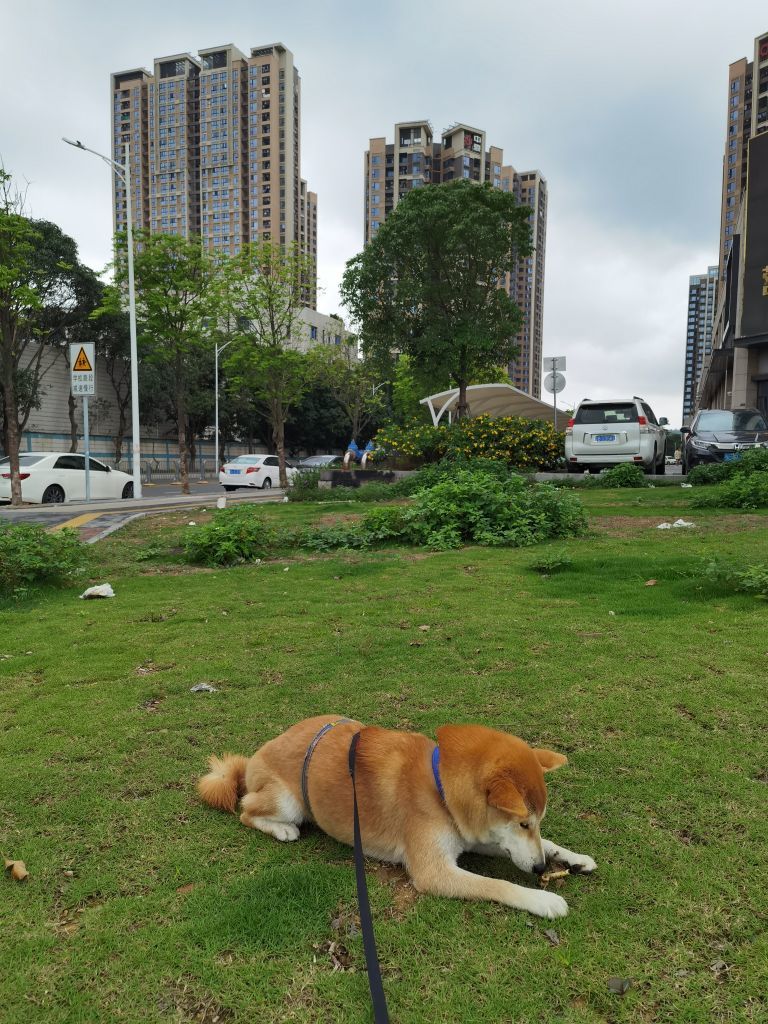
(355, 384)
(111, 334)
(264, 287)
(178, 293)
(317, 423)
(46, 294)
(428, 284)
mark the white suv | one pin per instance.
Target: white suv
(603, 434)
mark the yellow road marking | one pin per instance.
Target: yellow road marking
(72, 524)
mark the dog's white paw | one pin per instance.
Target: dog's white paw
(581, 864)
(285, 833)
(546, 904)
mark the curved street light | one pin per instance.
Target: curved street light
(123, 171)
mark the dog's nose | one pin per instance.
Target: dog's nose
(539, 869)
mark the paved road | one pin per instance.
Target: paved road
(96, 519)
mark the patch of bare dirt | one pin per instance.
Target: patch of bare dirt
(182, 1003)
(402, 890)
(626, 526)
(338, 518)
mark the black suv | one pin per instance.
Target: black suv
(721, 435)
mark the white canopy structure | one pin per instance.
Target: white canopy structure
(490, 400)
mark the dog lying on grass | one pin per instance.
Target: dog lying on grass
(480, 790)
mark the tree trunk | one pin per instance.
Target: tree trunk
(121, 425)
(462, 409)
(11, 416)
(72, 408)
(278, 435)
(181, 421)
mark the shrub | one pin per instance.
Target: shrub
(527, 444)
(745, 491)
(30, 557)
(714, 473)
(480, 509)
(547, 565)
(324, 538)
(384, 525)
(436, 472)
(237, 534)
(750, 579)
(626, 474)
(754, 460)
(306, 485)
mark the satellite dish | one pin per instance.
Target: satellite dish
(554, 382)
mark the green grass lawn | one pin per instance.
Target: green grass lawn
(145, 905)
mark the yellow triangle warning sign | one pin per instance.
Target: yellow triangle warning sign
(82, 363)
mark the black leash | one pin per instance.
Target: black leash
(380, 1014)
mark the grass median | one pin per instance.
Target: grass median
(144, 905)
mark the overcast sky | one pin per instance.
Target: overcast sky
(623, 113)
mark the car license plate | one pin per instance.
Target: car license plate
(605, 437)
(234, 472)
(731, 456)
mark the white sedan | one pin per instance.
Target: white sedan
(253, 471)
(54, 477)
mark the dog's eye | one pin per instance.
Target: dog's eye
(525, 825)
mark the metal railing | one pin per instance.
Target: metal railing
(155, 471)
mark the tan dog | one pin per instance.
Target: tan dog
(494, 801)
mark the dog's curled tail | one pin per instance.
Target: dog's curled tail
(225, 782)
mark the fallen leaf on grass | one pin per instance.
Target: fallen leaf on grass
(720, 969)
(620, 986)
(18, 869)
(425, 629)
(552, 936)
(650, 583)
(345, 921)
(337, 953)
(184, 889)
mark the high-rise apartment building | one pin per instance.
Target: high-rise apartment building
(736, 373)
(215, 150)
(747, 117)
(414, 159)
(702, 294)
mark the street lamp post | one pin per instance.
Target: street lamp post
(123, 171)
(218, 349)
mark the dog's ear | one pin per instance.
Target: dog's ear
(549, 759)
(505, 796)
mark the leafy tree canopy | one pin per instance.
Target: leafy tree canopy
(430, 284)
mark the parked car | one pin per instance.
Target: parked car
(321, 462)
(605, 433)
(52, 477)
(721, 435)
(261, 471)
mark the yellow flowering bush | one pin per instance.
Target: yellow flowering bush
(525, 444)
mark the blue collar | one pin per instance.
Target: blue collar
(436, 772)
